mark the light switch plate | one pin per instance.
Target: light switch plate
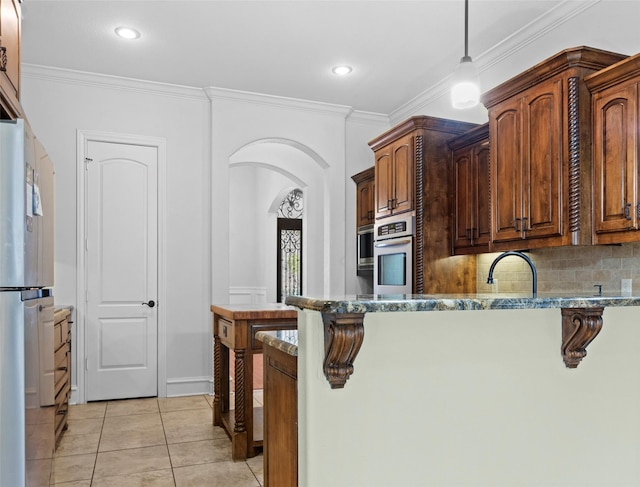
(625, 287)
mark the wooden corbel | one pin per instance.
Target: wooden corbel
(343, 335)
(579, 327)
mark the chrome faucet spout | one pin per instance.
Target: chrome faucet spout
(522, 256)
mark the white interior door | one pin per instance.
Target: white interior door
(122, 274)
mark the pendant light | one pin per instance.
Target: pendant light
(465, 91)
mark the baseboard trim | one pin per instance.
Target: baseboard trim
(189, 386)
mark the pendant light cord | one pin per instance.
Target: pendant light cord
(466, 28)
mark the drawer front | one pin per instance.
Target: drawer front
(57, 336)
(61, 370)
(62, 408)
(226, 332)
(60, 334)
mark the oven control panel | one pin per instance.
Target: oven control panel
(398, 227)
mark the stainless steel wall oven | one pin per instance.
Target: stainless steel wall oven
(393, 255)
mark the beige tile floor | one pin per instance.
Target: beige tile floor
(156, 442)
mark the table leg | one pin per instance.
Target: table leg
(220, 380)
(239, 441)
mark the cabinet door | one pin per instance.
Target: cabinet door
(506, 174)
(403, 174)
(384, 182)
(542, 160)
(463, 198)
(10, 41)
(615, 164)
(481, 216)
(365, 203)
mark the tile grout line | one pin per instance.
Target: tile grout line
(95, 461)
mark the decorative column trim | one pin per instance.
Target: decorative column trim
(240, 426)
(217, 380)
(419, 199)
(574, 159)
(343, 336)
(579, 327)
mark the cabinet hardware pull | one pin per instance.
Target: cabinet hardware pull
(516, 224)
(473, 234)
(627, 211)
(524, 227)
(64, 369)
(638, 210)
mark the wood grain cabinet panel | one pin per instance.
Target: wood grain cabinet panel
(365, 197)
(10, 59)
(413, 174)
(616, 168)
(540, 137)
(280, 418)
(394, 176)
(471, 212)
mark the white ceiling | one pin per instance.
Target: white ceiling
(397, 48)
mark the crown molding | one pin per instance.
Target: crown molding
(496, 54)
(276, 101)
(372, 118)
(70, 76)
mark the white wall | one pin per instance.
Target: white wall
(361, 128)
(603, 24)
(472, 398)
(306, 142)
(58, 103)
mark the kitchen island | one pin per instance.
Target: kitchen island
(234, 331)
(481, 390)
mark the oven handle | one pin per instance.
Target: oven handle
(392, 243)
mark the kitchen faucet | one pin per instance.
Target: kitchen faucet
(522, 256)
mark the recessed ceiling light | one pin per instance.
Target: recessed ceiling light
(127, 32)
(341, 70)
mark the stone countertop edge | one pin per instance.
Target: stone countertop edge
(287, 343)
(455, 302)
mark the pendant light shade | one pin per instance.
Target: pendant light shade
(465, 90)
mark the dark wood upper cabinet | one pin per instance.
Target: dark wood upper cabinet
(412, 173)
(471, 229)
(616, 168)
(540, 137)
(10, 59)
(365, 197)
(394, 168)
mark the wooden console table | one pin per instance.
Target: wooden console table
(234, 328)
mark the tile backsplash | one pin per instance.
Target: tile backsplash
(565, 269)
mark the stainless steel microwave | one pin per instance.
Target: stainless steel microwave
(365, 249)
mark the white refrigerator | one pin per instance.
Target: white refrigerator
(26, 276)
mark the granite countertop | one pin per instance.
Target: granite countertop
(284, 340)
(450, 302)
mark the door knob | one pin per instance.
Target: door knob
(151, 304)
